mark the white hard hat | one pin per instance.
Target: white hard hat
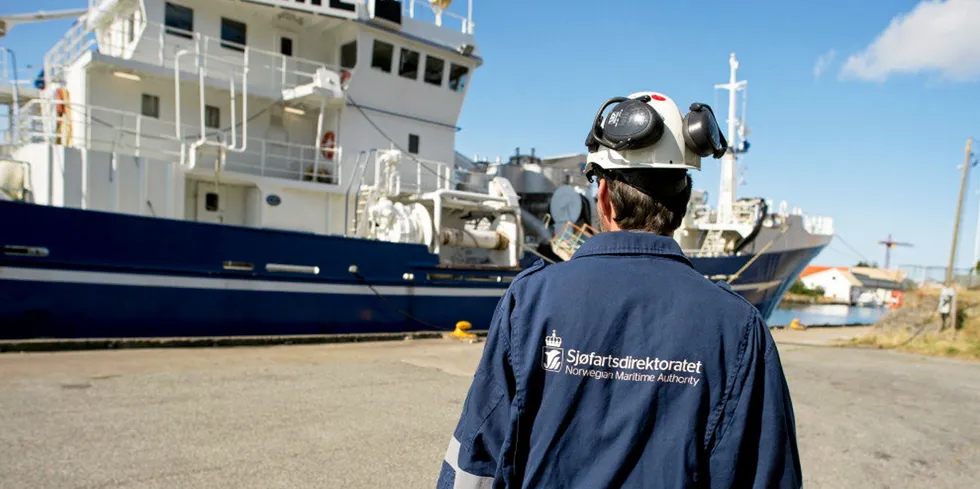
(647, 131)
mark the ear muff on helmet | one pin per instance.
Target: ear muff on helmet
(631, 124)
(701, 133)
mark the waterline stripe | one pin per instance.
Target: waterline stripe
(150, 280)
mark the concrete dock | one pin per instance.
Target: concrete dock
(371, 415)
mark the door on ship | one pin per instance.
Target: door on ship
(223, 205)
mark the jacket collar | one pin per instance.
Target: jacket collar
(631, 243)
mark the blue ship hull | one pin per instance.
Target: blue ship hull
(110, 275)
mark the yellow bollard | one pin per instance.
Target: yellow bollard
(795, 324)
(460, 331)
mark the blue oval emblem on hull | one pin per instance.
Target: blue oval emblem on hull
(273, 200)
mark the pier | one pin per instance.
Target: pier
(379, 414)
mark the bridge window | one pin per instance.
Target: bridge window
(408, 65)
(179, 20)
(285, 46)
(348, 55)
(212, 116)
(433, 70)
(235, 33)
(457, 77)
(413, 144)
(382, 56)
(151, 105)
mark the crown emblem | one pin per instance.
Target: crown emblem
(553, 341)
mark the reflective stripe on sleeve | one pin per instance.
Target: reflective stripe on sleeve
(463, 479)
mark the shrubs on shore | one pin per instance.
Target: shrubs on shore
(918, 327)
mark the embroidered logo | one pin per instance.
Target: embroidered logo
(552, 353)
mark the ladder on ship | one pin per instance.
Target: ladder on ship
(359, 194)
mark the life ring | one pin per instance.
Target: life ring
(62, 108)
(61, 94)
(897, 299)
(327, 144)
(344, 78)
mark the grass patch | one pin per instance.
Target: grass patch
(914, 327)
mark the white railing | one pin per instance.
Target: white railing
(820, 225)
(111, 130)
(742, 213)
(10, 73)
(77, 41)
(465, 23)
(397, 174)
(158, 45)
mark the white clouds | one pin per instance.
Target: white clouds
(823, 62)
(935, 36)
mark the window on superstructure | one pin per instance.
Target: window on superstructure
(285, 46)
(457, 76)
(234, 32)
(413, 144)
(348, 55)
(212, 116)
(179, 20)
(408, 64)
(382, 56)
(211, 202)
(131, 27)
(433, 70)
(151, 105)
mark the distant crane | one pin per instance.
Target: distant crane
(889, 244)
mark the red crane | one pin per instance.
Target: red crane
(889, 244)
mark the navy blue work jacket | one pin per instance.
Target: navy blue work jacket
(625, 368)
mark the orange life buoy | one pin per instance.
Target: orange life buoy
(344, 77)
(327, 144)
(897, 299)
(62, 95)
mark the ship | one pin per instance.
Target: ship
(273, 167)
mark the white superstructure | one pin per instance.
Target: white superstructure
(302, 115)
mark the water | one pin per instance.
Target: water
(825, 314)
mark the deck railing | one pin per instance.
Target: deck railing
(415, 9)
(407, 173)
(747, 213)
(112, 130)
(158, 45)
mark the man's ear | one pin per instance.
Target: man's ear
(606, 211)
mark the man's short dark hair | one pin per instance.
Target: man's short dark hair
(649, 200)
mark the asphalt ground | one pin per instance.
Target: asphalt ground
(372, 415)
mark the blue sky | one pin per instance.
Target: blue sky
(874, 141)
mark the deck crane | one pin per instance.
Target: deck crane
(7, 22)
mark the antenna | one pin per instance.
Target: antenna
(889, 244)
(726, 192)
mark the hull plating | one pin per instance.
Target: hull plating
(113, 275)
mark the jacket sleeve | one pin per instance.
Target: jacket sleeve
(756, 443)
(475, 457)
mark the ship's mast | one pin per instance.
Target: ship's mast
(726, 191)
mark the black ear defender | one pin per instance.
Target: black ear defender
(701, 133)
(631, 124)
